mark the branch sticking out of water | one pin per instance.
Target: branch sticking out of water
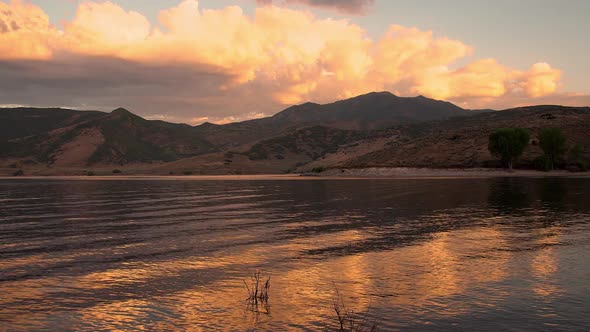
(258, 288)
(348, 320)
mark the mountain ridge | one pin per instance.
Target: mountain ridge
(367, 130)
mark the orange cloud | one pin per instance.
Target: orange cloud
(484, 78)
(541, 80)
(105, 29)
(406, 52)
(285, 54)
(25, 32)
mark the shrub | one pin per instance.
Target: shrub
(319, 169)
(20, 172)
(187, 173)
(508, 144)
(90, 173)
(117, 171)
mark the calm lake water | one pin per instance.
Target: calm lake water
(416, 255)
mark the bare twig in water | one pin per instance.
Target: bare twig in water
(258, 289)
(348, 320)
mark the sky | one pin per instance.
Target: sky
(223, 61)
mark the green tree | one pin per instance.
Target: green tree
(553, 143)
(508, 144)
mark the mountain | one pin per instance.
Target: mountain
(373, 130)
(376, 110)
(75, 138)
(119, 137)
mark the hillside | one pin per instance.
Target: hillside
(22, 122)
(309, 143)
(453, 143)
(119, 137)
(463, 142)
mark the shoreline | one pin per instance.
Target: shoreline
(412, 172)
(335, 174)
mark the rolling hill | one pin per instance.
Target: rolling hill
(119, 137)
(21, 122)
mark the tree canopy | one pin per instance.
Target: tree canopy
(553, 143)
(508, 144)
(576, 157)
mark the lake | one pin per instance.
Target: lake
(497, 254)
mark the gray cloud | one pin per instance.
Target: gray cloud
(173, 93)
(355, 7)
(567, 99)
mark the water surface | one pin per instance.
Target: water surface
(416, 255)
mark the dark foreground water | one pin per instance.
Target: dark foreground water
(417, 255)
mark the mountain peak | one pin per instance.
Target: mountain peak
(121, 111)
(382, 93)
(207, 125)
(376, 94)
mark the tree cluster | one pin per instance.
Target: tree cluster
(509, 144)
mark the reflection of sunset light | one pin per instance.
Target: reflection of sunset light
(449, 265)
(544, 265)
(117, 316)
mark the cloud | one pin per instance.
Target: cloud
(104, 83)
(105, 29)
(541, 80)
(484, 78)
(25, 32)
(224, 65)
(355, 7)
